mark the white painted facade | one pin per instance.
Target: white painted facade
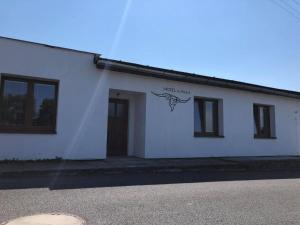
(153, 130)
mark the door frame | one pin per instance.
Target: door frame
(126, 103)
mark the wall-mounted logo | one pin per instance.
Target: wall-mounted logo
(174, 90)
(172, 99)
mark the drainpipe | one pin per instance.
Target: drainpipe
(96, 58)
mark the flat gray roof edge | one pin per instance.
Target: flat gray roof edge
(138, 69)
(49, 46)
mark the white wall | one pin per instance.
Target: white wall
(170, 134)
(82, 103)
(82, 112)
(140, 118)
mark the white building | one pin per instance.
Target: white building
(58, 102)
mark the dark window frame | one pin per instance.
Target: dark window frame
(267, 133)
(201, 103)
(28, 128)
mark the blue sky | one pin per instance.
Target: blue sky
(256, 41)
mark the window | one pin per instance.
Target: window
(206, 117)
(263, 121)
(116, 108)
(28, 105)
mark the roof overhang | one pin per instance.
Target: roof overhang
(149, 71)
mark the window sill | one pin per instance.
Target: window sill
(21, 131)
(208, 135)
(258, 137)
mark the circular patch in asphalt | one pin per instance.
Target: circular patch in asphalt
(47, 219)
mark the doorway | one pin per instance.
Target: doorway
(117, 129)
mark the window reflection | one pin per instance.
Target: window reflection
(44, 105)
(197, 117)
(209, 116)
(13, 103)
(262, 121)
(206, 117)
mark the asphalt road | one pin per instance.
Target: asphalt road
(166, 198)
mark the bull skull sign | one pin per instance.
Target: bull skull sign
(172, 99)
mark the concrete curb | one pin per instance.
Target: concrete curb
(73, 172)
(230, 165)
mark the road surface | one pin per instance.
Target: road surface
(165, 198)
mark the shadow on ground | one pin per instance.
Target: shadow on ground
(114, 180)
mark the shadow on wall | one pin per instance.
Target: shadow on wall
(115, 180)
